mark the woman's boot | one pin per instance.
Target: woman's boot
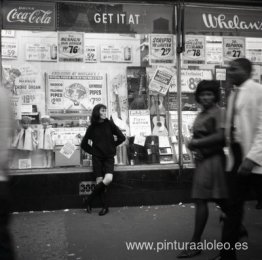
(99, 188)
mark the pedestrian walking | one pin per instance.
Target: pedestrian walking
(6, 245)
(209, 183)
(243, 130)
(100, 140)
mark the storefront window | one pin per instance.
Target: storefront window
(215, 35)
(61, 59)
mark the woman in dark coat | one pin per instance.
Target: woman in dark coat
(209, 183)
(100, 140)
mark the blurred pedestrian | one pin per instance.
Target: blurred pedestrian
(6, 245)
(209, 183)
(100, 140)
(244, 140)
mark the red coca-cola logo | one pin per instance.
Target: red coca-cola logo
(37, 16)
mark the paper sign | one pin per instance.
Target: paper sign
(161, 80)
(254, 49)
(67, 150)
(24, 163)
(139, 121)
(194, 50)
(41, 52)
(71, 46)
(91, 53)
(190, 78)
(9, 48)
(214, 50)
(161, 49)
(115, 53)
(140, 140)
(233, 48)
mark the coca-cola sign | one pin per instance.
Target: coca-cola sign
(38, 16)
(223, 21)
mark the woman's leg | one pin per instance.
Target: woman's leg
(201, 217)
(107, 180)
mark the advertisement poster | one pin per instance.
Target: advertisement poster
(71, 46)
(214, 50)
(188, 102)
(41, 52)
(91, 53)
(161, 80)
(194, 50)
(62, 136)
(220, 74)
(139, 121)
(9, 48)
(190, 78)
(233, 48)
(188, 119)
(161, 49)
(75, 90)
(116, 53)
(254, 49)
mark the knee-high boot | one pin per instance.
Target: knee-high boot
(99, 188)
(104, 201)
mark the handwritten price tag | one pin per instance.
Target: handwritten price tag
(9, 48)
(90, 54)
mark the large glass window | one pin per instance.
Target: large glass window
(120, 55)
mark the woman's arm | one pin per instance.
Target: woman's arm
(84, 144)
(116, 131)
(213, 139)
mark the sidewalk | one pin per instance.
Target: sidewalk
(74, 235)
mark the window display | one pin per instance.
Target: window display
(65, 58)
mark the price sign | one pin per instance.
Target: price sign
(190, 79)
(233, 48)
(161, 49)
(8, 33)
(28, 99)
(71, 47)
(90, 53)
(9, 48)
(194, 50)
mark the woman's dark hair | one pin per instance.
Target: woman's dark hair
(96, 113)
(208, 85)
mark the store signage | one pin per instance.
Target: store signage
(115, 18)
(233, 22)
(24, 15)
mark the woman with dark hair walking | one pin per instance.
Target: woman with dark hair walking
(101, 139)
(209, 183)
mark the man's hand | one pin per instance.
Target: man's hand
(246, 167)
